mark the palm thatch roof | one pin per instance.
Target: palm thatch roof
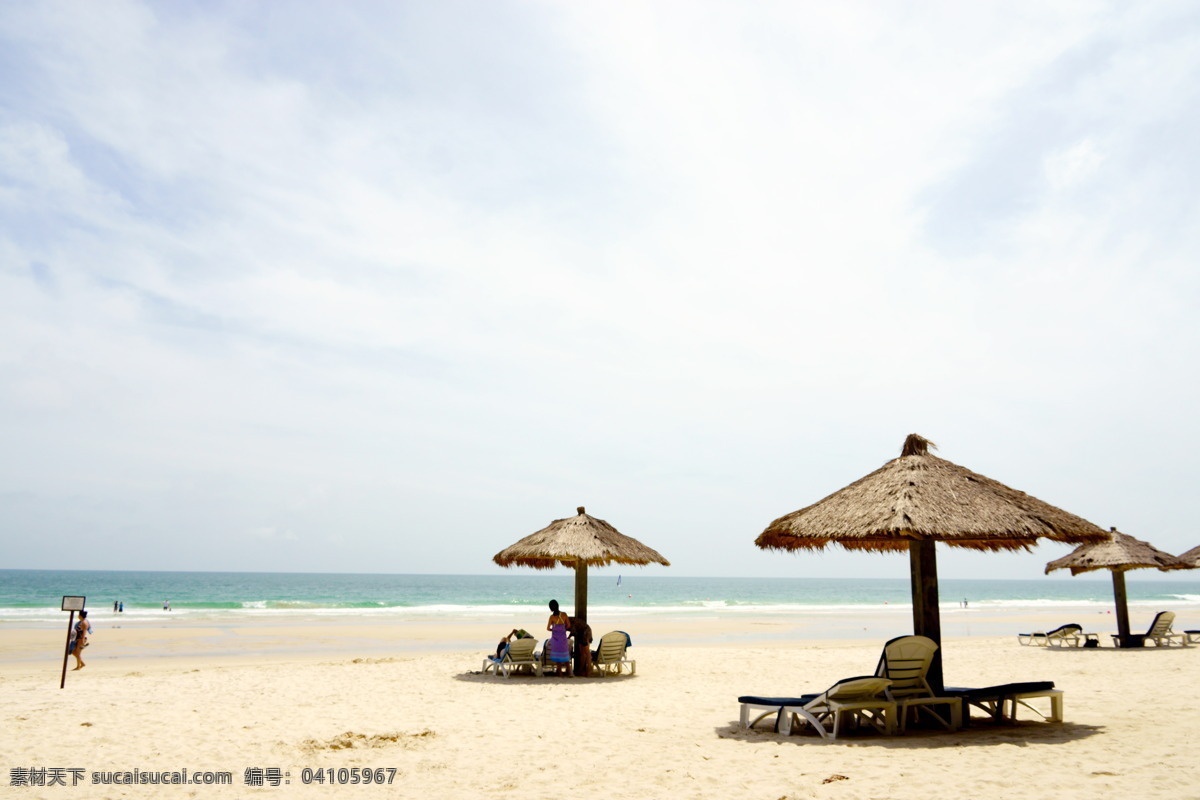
(579, 539)
(921, 496)
(1192, 556)
(1120, 553)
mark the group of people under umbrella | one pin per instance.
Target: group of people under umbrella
(910, 503)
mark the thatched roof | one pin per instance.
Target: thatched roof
(921, 496)
(1121, 552)
(1192, 556)
(581, 538)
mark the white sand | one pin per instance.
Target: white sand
(168, 699)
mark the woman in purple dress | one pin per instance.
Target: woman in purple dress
(559, 646)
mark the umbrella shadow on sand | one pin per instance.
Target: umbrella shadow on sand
(980, 734)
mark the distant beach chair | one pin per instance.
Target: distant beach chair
(861, 700)
(1159, 632)
(609, 657)
(518, 655)
(1069, 635)
(905, 662)
(1000, 702)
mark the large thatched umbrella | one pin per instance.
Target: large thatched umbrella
(1192, 556)
(914, 501)
(577, 542)
(1119, 553)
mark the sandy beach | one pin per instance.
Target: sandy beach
(287, 702)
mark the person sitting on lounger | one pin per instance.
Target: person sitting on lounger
(581, 633)
(517, 633)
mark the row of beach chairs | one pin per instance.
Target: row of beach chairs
(897, 693)
(1072, 635)
(522, 655)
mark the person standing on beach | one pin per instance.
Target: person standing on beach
(559, 647)
(83, 630)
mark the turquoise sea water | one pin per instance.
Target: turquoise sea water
(32, 598)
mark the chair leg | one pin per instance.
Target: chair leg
(1056, 708)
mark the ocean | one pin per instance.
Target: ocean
(33, 598)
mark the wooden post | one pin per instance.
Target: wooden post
(927, 621)
(67, 650)
(580, 609)
(581, 590)
(1123, 638)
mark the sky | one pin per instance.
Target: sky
(387, 286)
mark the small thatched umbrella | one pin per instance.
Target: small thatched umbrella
(1119, 553)
(577, 542)
(914, 501)
(1192, 556)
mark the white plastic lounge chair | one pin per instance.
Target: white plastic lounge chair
(905, 662)
(861, 700)
(518, 655)
(1069, 635)
(1160, 633)
(609, 657)
(1000, 702)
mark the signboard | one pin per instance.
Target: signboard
(73, 603)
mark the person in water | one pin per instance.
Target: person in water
(83, 630)
(559, 647)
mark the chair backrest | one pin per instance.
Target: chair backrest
(611, 648)
(905, 661)
(1070, 629)
(860, 688)
(521, 650)
(1161, 624)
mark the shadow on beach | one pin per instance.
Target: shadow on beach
(982, 734)
(476, 676)
(1080, 651)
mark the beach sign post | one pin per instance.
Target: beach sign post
(69, 603)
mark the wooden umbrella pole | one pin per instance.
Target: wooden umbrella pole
(927, 619)
(580, 608)
(1122, 607)
(581, 590)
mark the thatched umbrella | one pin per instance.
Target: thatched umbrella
(1119, 553)
(914, 501)
(577, 542)
(1192, 556)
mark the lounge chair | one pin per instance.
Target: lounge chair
(1193, 637)
(1000, 702)
(516, 656)
(861, 699)
(1069, 635)
(905, 661)
(609, 656)
(1159, 632)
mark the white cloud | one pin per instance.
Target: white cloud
(722, 257)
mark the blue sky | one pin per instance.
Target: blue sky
(384, 287)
